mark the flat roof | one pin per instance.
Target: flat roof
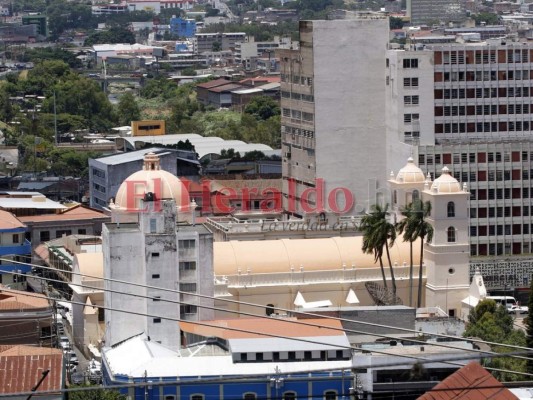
(225, 88)
(115, 159)
(30, 202)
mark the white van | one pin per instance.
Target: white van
(506, 301)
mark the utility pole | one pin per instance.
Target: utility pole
(55, 120)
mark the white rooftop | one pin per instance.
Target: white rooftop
(137, 155)
(36, 202)
(138, 356)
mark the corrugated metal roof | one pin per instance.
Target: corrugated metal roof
(279, 344)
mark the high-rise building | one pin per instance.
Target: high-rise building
(431, 11)
(333, 125)
(468, 107)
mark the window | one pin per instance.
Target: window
(451, 234)
(249, 396)
(44, 236)
(289, 396)
(451, 209)
(156, 298)
(330, 395)
(269, 309)
(15, 238)
(416, 195)
(155, 255)
(188, 287)
(408, 118)
(153, 225)
(411, 100)
(410, 63)
(157, 320)
(410, 82)
(187, 244)
(188, 309)
(155, 276)
(197, 397)
(187, 265)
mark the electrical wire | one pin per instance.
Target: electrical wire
(473, 340)
(484, 354)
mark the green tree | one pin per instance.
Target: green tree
(487, 18)
(217, 46)
(262, 107)
(379, 234)
(395, 23)
(97, 393)
(127, 109)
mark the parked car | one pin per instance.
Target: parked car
(71, 357)
(77, 378)
(94, 372)
(64, 343)
(518, 309)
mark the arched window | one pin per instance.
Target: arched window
(249, 396)
(289, 396)
(269, 310)
(330, 395)
(451, 234)
(451, 209)
(416, 195)
(197, 396)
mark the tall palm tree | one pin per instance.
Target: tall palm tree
(424, 231)
(379, 234)
(406, 227)
(414, 226)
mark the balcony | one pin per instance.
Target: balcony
(16, 249)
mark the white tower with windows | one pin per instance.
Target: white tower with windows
(447, 256)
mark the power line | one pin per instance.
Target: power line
(483, 353)
(286, 310)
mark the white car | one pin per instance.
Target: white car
(71, 357)
(64, 343)
(518, 309)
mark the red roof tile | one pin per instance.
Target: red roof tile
(211, 84)
(471, 382)
(21, 367)
(9, 221)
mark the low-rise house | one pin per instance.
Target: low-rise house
(13, 247)
(285, 360)
(25, 319)
(22, 368)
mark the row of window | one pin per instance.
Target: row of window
(483, 56)
(287, 395)
(296, 79)
(297, 96)
(98, 187)
(410, 82)
(298, 131)
(480, 157)
(44, 236)
(482, 93)
(499, 230)
(498, 249)
(499, 212)
(483, 127)
(297, 114)
(411, 100)
(495, 176)
(486, 109)
(99, 173)
(481, 76)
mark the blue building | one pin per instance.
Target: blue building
(308, 362)
(182, 27)
(13, 246)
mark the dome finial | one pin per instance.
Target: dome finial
(445, 170)
(151, 162)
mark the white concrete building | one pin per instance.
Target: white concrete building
(332, 96)
(151, 244)
(468, 106)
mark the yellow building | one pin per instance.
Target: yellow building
(148, 128)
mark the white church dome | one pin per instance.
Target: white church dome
(446, 183)
(152, 179)
(410, 173)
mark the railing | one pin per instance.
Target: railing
(299, 277)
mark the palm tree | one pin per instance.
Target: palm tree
(423, 230)
(379, 234)
(414, 226)
(406, 227)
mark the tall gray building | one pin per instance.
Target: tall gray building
(333, 140)
(432, 11)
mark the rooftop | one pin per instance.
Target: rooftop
(9, 222)
(15, 300)
(39, 202)
(117, 159)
